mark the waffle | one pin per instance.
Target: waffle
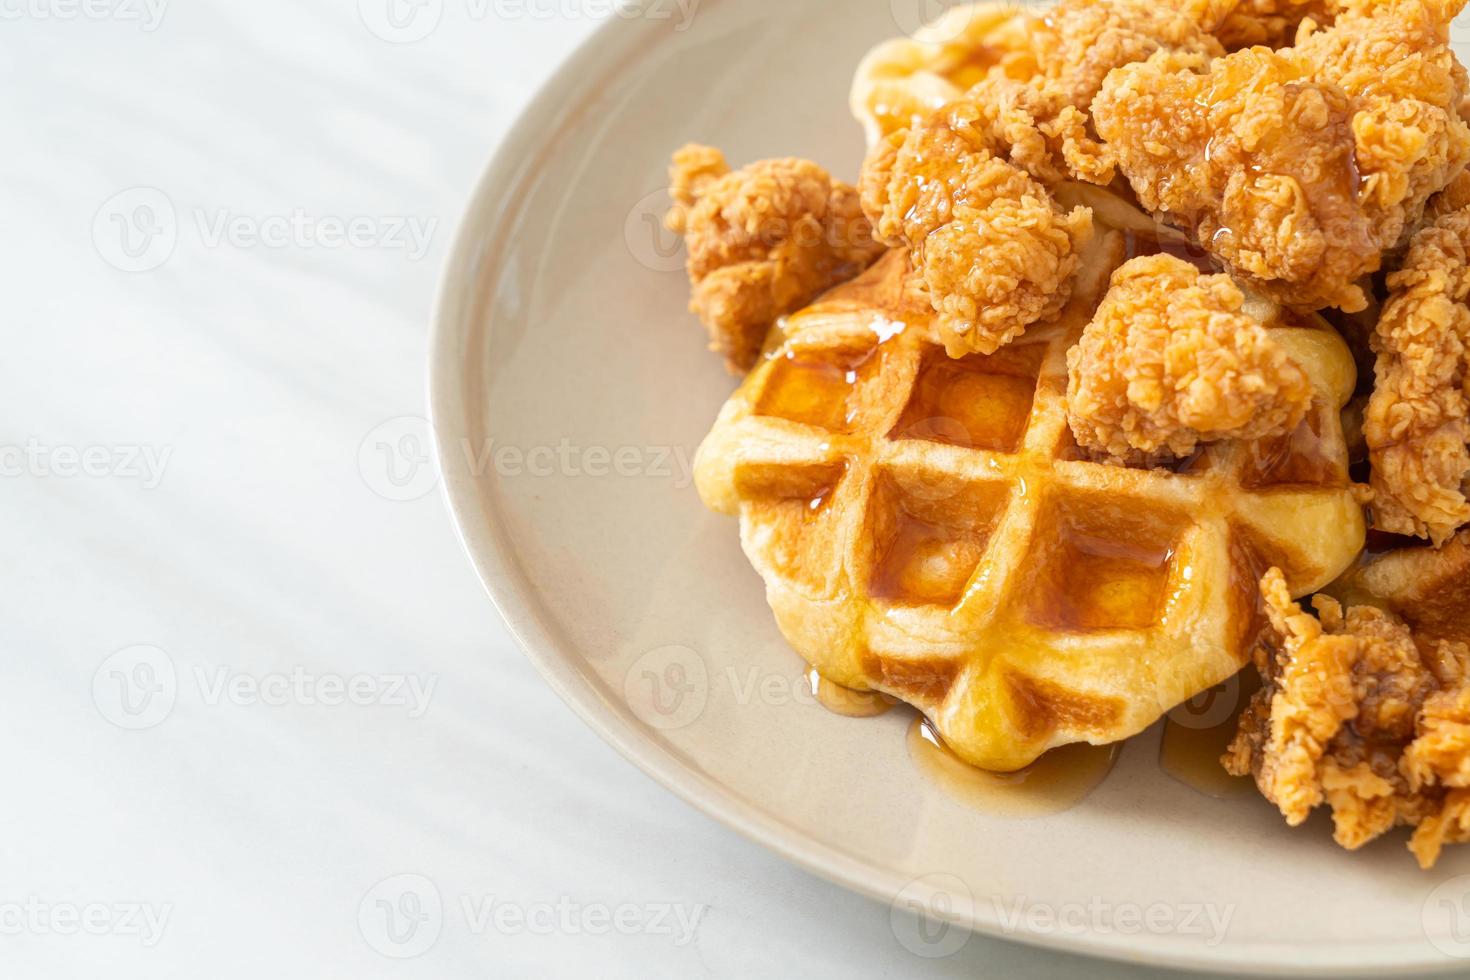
(904, 79)
(1428, 587)
(927, 527)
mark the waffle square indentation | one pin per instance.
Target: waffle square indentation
(816, 387)
(930, 532)
(978, 402)
(1101, 565)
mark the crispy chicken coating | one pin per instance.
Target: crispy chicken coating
(1418, 420)
(763, 241)
(1273, 23)
(966, 190)
(1078, 42)
(1299, 166)
(1171, 360)
(1357, 714)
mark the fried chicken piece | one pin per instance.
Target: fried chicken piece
(966, 190)
(1418, 421)
(1298, 167)
(1171, 360)
(1078, 42)
(763, 241)
(1358, 713)
(1454, 197)
(1273, 23)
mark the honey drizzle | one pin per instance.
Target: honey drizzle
(1138, 244)
(1056, 782)
(1197, 733)
(977, 402)
(815, 389)
(845, 701)
(925, 563)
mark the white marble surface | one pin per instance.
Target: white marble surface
(180, 472)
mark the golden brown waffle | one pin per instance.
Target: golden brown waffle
(927, 527)
(907, 78)
(1428, 587)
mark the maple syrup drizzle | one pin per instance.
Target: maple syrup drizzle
(845, 701)
(1052, 784)
(1138, 244)
(815, 389)
(1197, 733)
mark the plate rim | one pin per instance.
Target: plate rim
(489, 551)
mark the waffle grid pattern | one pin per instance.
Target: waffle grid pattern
(927, 527)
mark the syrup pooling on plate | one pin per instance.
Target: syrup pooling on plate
(1197, 733)
(844, 700)
(1056, 782)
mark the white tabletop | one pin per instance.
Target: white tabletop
(262, 720)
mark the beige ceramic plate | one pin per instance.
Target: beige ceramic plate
(570, 389)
